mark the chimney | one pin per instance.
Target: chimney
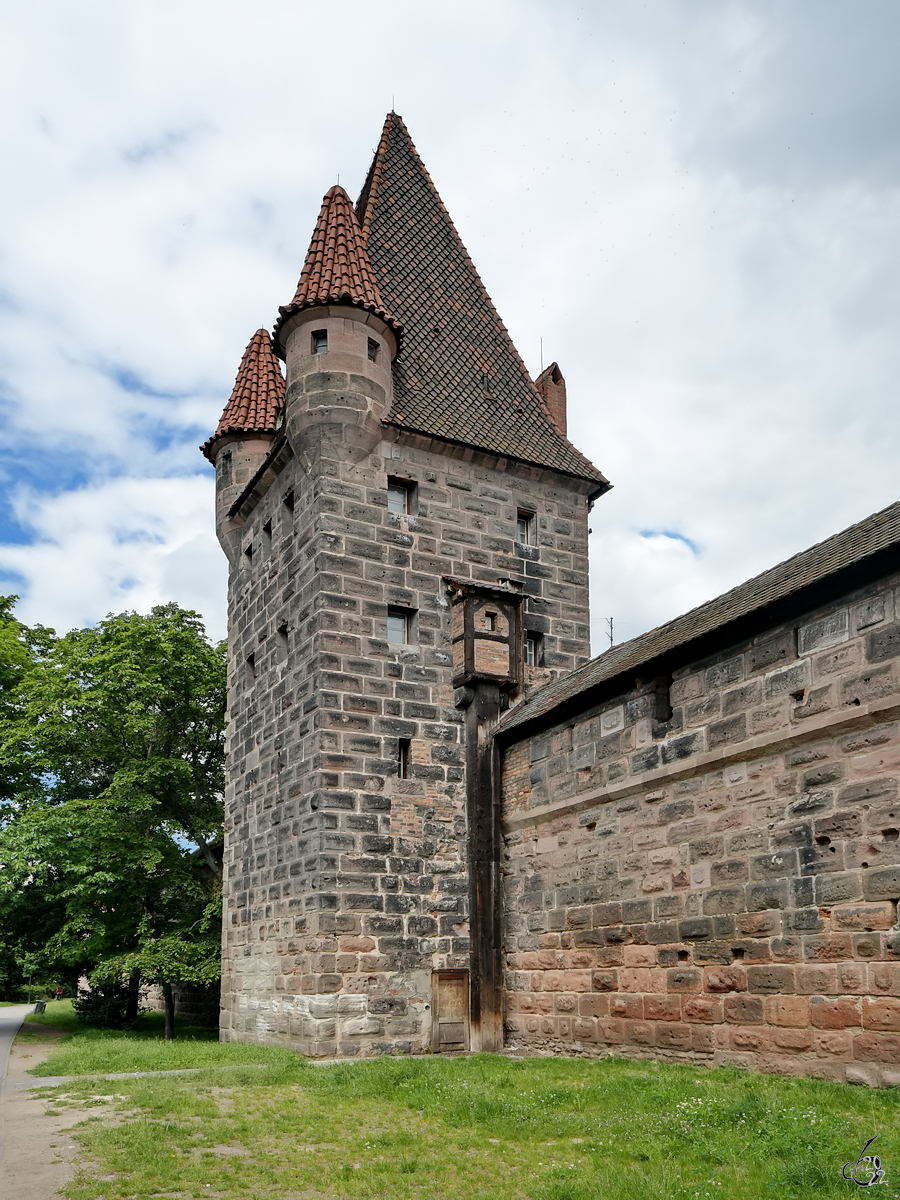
(552, 387)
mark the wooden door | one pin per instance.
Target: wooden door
(450, 1011)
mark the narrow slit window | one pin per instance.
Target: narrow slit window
(251, 668)
(288, 501)
(400, 496)
(248, 554)
(534, 650)
(320, 341)
(398, 626)
(404, 746)
(267, 536)
(281, 641)
(372, 350)
(525, 527)
(662, 699)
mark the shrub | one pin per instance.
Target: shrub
(107, 1006)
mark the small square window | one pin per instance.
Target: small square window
(404, 746)
(400, 496)
(534, 650)
(525, 527)
(320, 341)
(372, 350)
(399, 621)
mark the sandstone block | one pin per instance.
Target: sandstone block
(792, 1011)
(662, 1008)
(744, 1010)
(876, 1047)
(881, 1013)
(840, 1013)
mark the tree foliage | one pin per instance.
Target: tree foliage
(112, 760)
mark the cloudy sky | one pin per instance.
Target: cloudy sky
(692, 205)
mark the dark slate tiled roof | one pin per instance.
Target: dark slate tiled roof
(874, 535)
(258, 394)
(459, 375)
(337, 268)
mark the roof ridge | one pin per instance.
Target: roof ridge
(257, 396)
(337, 269)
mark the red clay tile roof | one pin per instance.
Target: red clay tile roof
(337, 268)
(877, 535)
(459, 375)
(258, 394)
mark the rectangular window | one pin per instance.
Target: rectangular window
(267, 536)
(525, 527)
(534, 650)
(400, 496)
(399, 626)
(251, 669)
(320, 341)
(490, 622)
(403, 751)
(372, 350)
(248, 554)
(288, 501)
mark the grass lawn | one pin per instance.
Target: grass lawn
(87, 1051)
(485, 1127)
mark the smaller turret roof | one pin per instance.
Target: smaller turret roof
(337, 268)
(258, 394)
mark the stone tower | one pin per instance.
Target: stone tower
(406, 529)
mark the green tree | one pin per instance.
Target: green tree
(116, 739)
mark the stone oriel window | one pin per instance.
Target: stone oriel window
(401, 496)
(320, 341)
(534, 649)
(400, 626)
(525, 527)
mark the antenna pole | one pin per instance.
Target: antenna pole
(609, 631)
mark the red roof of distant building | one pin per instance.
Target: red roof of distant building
(337, 268)
(258, 394)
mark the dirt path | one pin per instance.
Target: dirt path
(35, 1152)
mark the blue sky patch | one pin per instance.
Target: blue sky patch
(671, 533)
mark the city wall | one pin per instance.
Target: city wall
(707, 868)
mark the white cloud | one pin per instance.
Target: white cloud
(693, 204)
(125, 544)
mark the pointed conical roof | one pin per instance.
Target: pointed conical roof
(337, 268)
(258, 394)
(459, 375)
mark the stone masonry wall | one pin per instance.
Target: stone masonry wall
(345, 886)
(720, 887)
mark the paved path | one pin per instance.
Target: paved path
(10, 1020)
